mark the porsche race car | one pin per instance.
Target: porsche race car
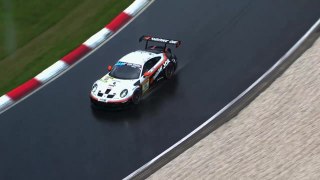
(135, 74)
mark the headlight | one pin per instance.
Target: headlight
(124, 93)
(94, 87)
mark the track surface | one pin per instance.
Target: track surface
(277, 136)
(227, 45)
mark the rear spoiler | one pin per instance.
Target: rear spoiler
(159, 40)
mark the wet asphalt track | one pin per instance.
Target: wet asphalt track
(227, 45)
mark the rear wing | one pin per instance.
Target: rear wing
(159, 40)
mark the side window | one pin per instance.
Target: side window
(155, 60)
(149, 64)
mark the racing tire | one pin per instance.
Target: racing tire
(176, 62)
(169, 71)
(136, 97)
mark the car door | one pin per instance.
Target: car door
(147, 66)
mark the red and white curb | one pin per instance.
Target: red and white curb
(65, 62)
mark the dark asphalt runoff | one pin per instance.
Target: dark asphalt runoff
(226, 46)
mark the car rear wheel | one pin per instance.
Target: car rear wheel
(169, 71)
(136, 97)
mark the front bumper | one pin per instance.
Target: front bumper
(97, 103)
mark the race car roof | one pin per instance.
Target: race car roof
(138, 57)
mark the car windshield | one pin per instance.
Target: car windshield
(122, 70)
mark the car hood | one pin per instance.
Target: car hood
(110, 88)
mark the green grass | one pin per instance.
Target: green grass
(36, 33)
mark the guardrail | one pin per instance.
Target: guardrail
(231, 109)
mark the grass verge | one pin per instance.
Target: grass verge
(37, 33)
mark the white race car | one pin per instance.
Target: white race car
(134, 74)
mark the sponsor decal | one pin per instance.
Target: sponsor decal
(159, 78)
(145, 85)
(105, 78)
(161, 68)
(103, 100)
(119, 63)
(164, 40)
(134, 65)
(166, 63)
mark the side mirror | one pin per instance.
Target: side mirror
(147, 74)
(109, 68)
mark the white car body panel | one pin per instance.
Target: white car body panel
(116, 86)
(138, 57)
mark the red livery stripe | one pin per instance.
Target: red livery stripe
(23, 89)
(118, 22)
(76, 54)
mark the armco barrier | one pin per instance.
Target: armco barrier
(60, 66)
(231, 109)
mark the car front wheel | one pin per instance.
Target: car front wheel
(136, 97)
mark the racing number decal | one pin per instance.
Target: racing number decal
(145, 85)
(166, 63)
